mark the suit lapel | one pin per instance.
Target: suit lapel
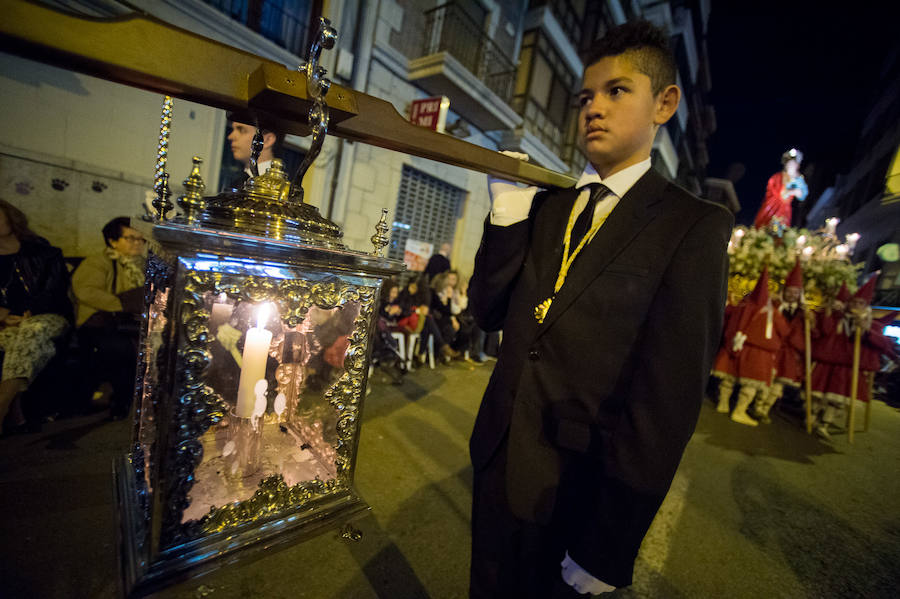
(630, 216)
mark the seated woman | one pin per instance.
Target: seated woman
(34, 307)
(109, 287)
(448, 306)
(415, 303)
(386, 350)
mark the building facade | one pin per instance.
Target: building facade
(867, 197)
(85, 149)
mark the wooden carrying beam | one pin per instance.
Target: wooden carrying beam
(144, 52)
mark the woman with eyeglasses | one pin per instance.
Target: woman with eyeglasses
(109, 288)
(35, 310)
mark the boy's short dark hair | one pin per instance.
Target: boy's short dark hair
(113, 229)
(264, 127)
(647, 47)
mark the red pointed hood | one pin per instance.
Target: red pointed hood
(883, 321)
(867, 291)
(760, 293)
(844, 294)
(795, 277)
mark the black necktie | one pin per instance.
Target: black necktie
(583, 222)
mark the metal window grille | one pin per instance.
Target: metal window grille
(285, 22)
(427, 210)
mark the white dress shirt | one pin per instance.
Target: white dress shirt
(511, 203)
(262, 166)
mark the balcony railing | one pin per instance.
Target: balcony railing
(449, 29)
(285, 22)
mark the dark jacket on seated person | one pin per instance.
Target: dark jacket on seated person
(39, 280)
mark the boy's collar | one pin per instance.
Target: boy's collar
(262, 165)
(619, 183)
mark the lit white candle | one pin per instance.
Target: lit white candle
(807, 251)
(253, 363)
(831, 225)
(842, 250)
(801, 241)
(852, 240)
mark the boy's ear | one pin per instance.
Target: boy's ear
(269, 140)
(666, 104)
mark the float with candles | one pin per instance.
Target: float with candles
(826, 259)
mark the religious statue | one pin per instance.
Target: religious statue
(783, 187)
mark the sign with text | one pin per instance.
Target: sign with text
(416, 254)
(430, 113)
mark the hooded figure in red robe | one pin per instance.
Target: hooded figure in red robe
(832, 379)
(789, 363)
(753, 337)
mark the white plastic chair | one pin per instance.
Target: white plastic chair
(413, 342)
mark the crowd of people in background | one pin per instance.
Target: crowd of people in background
(87, 321)
(433, 307)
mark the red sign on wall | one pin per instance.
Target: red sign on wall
(430, 113)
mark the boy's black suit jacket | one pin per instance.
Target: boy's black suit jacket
(599, 401)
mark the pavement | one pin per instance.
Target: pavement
(753, 512)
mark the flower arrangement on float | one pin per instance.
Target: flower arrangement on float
(826, 259)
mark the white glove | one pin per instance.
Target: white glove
(580, 579)
(509, 202)
(737, 344)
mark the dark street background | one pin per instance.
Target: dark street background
(794, 74)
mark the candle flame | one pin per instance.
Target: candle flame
(807, 251)
(842, 249)
(262, 316)
(801, 241)
(739, 233)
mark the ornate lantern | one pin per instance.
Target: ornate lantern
(254, 356)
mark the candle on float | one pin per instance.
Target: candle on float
(221, 312)
(831, 225)
(852, 240)
(842, 250)
(807, 252)
(253, 363)
(801, 241)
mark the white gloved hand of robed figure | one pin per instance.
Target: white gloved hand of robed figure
(510, 203)
(581, 580)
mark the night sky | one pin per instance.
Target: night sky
(793, 74)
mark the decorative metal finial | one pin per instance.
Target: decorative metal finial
(380, 239)
(162, 149)
(162, 203)
(271, 204)
(317, 87)
(256, 148)
(191, 202)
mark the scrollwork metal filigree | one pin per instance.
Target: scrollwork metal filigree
(199, 407)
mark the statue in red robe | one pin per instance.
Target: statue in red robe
(783, 187)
